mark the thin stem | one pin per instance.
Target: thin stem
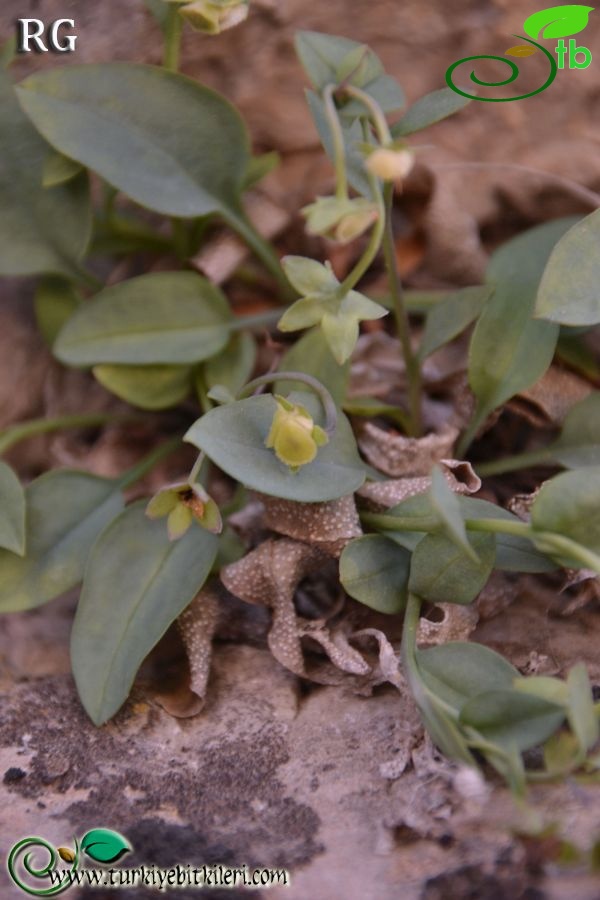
(319, 389)
(518, 461)
(196, 468)
(172, 44)
(500, 526)
(413, 369)
(16, 433)
(258, 320)
(409, 629)
(337, 136)
(148, 462)
(549, 542)
(264, 251)
(368, 256)
(470, 432)
(375, 111)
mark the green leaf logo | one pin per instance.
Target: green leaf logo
(105, 846)
(558, 21)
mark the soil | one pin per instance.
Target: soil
(342, 790)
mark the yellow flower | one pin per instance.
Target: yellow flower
(390, 164)
(340, 220)
(294, 436)
(214, 16)
(184, 503)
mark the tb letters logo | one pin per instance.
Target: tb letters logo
(31, 34)
(554, 22)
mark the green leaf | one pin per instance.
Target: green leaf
(579, 441)
(428, 110)
(309, 276)
(552, 689)
(569, 505)
(259, 167)
(374, 570)
(66, 510)
(557, 21)
(581, 712)
(234, 436)
(512, 718)
(166, 141)
(568, 291)
(148, 387)
(233, 366)
(513, 553)
(446, 507)
(58, 169)
(509, 350)
(311, 355)
(55, 301)
(442, 573)
(371, 407)
(452, 315)
(167, 317)
(136, 583)
(41, 230)
(12, 512)
(105, 846)
(459, 670)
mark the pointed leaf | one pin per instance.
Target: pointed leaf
(374, 570)
(446, 506)
(557, 21)
(428, 110)
(569, 291)
(41, 230)
(148, 387)
(512, 718)
(442, 573)
(459, 670)
(452, 315)
(166, 141)
(234, 438)
(105, 846)
(12, 511)
(581, 710)
(168, 317)
(66, 511)
(136, 583)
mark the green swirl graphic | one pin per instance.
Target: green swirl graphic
(34, 843)
(512, 77)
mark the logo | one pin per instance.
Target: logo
(101, 845)
(547, 24)
(31, 31)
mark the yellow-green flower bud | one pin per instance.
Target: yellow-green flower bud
(214, 16)
(294, 436)
(390, 164)
(184, 503)
(340, 220)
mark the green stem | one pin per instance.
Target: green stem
(258, 320)
(146, 464)
(20, 432)
(413, 369)
(264, 251)
(319, 389)
(468, 435)
(172, 44)
(197, 467)
(375, 111)
(409, 630)
(500, 526)
(337, 136)
(558, 543)
(368, 256)
(512, 463)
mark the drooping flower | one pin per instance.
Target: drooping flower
(214, 16)
(293, 435)
(184, 503)
(338, 219)
(390, 163)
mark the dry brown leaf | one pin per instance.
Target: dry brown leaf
(460, 476)
(397, 455)
(550, 398)
(457, 623)
(329, 526)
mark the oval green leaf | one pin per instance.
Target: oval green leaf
(441, 572)
(428, 110)
(557, 21)
(12, 511)
(166, 141)
(569, 505)
(166, 318)
(233, 436)
(136, 583)
(149, 387)
(512, 718)
(41, 229)
(452, 315)
(459, 670)
(105, 846)
(569, 291)
(374, 570)
(66, 511)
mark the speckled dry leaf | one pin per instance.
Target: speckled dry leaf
(197, 625)
(377, 366)
(551, 398)
(329, 526)
(396, 455)
(521, 504)
(520, 50)
(457, 624)
(460, 476)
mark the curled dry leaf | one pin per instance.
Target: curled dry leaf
(197, 625)
(397, 455)
(457, 623)
(521, 504)
(328, 526)
(459, 475)
(550, 399)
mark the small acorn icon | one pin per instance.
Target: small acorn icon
(66, 854)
